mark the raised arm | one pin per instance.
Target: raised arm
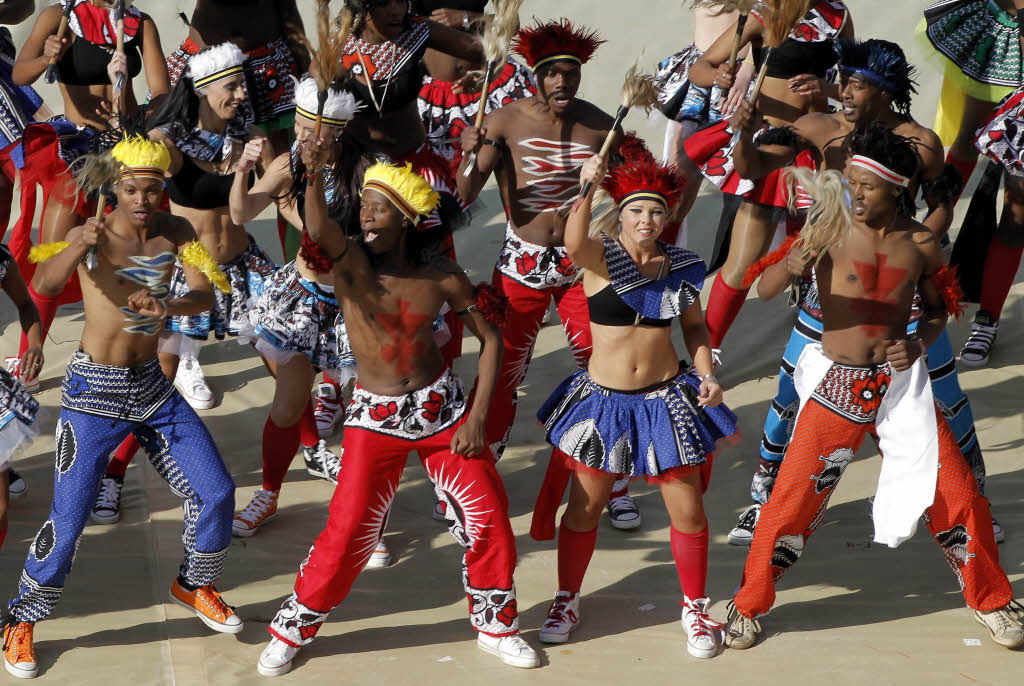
(246, 203)
(154, 62)
(488, 143)
(39, 47)
(583, 250)
(465, 46)
(777, 277)
(52, 275)
(713, 65)
(757, 161)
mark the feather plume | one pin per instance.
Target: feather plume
(638, 90)
(331, 38)
(96, 172)
(196, 255)
(948, 284)
(720, 7)
(774, 257)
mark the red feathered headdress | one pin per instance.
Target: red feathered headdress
(641, 177)
(632, 148)
(557, 40)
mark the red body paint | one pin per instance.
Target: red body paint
(402, 328)
(879, 282)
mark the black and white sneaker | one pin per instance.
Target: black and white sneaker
(743, 534)
(623, 512)
(107, 509)
(978, 348)
(321, 462)
(16, 486)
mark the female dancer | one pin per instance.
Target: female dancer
(204, 131)
(665, 424)
(795, 85)
(87, 69)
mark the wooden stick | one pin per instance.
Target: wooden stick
(606, 148)
(51, 68)
(480, 115)
(741, 22)
(90, 257)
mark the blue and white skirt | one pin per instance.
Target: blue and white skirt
(638, 433)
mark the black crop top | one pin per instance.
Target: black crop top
(608, 309)
(395, 69)
(85, 63)
(810, 46)
(199, 189)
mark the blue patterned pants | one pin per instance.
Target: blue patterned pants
(778, 425)
(100, 406)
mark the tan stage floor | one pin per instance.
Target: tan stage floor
(849, 613)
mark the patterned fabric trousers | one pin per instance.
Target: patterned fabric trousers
(823, 444)
(179, 447)
(476, 507)
(778, 425)
(527, 307)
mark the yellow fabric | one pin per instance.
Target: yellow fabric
(136, 151)
(406, 183)
(196, 255)
(44, 251)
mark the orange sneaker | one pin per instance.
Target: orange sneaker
(260, 510)
(19, 655)
(208, 606)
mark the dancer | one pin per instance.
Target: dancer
(665, 424)
(408, 399)
(18, 408)
(114, 387)
(446, 109)
(86, 67)
(794, 85)
(689, 107)
(296, 324)
(202, 127)
(878, 84)
(536, 148)
(867, 376)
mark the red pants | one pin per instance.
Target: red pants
(822, 446)
(527, 307)
(477, 511)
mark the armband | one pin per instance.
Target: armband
(196, 255)
(948, 285)
(944, 187)
(488, 302)
(45, 251)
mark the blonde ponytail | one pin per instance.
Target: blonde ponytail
(829, 219)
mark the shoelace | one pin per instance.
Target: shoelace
(622, 504)
(517, 643)
(331, 462)
(210, 597)
(700, 623)
(744, 621)
(981, 337)
(21, 639)
(198, 378)
(110, 494)
(749, 520)
(261, 502)
(556, 614)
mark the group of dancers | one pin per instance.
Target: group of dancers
(371, 170)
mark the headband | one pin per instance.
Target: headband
(218, 75)
(643, 195)
(395, 197)
(144, 172)
(881, 170)
(337, 123)
(870, 75)
(554, 58)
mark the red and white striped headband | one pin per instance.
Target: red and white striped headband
(881, 170)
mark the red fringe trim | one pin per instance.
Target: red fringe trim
(948, 284)
(315, 256)
(772, 258)
(491, 303)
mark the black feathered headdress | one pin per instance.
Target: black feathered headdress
(882, 63)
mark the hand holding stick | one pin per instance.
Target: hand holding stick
(98, 173)
(119, 29)
(51, 68)
(638, 90)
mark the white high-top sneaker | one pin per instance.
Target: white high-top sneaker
(512, 650)
(191, 382)
(563, 618)
(276, 658)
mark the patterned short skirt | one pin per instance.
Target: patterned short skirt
(17, 417)
(979, 37)
(638, 433)
(681, 100)
(298, 316)
(1002, 136)
(247, 274)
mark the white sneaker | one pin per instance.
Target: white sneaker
(191, 381)
(512, 650)
(328, 411)
(1004, 624)
(623, 512)
(381, 556)
(701, 631)
(321, 462)
(16, 486)
(13, 365)
(743, 532)
(276, 658)
(107, 509)
(563, 618)
(260, 510)
(978, 348)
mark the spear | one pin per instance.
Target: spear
(638, 90)
(497, 39)
(51, 68)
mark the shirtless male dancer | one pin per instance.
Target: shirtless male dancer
(868, 375)
(391, 290)
(876, 91)
(536, 147)
(114, 386)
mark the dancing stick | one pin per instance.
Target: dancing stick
(119, 29)
(638, 90)
(327, 55)
(51, 68)
(497, 39)
(98, 174)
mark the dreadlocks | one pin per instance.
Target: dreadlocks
(890, 150)
(883, 64)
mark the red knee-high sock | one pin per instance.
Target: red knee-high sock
(690, 551)
(47, 306)
(308, 435)
(123, 456)
(965, 167)
(724, 304)
(3, 535)
(1001, 265)
(279, 446)
(575, 548)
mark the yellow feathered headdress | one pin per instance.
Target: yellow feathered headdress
(406, 189)
(140, 156)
